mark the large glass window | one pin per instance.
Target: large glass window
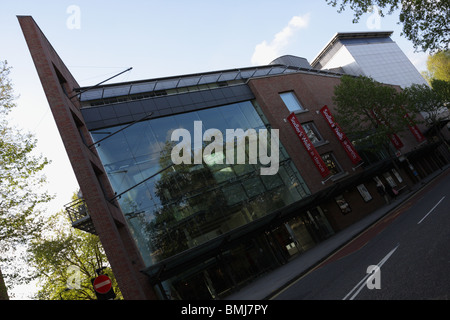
(171, 208)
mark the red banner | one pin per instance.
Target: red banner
(301, 134)
(398, 144)
(414, 130)
(348, 146)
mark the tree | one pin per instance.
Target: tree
(425, 22)
(21, 183)
(370, 113)
(65, 261)
(3, 290)
(438, 66)
(430, 100)
(442, 89)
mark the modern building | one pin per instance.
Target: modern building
(375, 55)
(205, 227)
(371, 54)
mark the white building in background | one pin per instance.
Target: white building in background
(375, 55)
(371, 54)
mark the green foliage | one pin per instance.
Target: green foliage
(369, 111)
(21, 182)
(442, 89)
(438, 66)
(425, 22)
(425, 99)
(433, 101)
(63, 256)
(6, 90)
(53, 247)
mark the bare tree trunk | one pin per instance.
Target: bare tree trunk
(3, 290)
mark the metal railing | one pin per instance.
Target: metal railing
(79, 216)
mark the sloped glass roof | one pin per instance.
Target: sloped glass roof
(152, 85)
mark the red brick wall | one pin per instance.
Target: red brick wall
(313, 92)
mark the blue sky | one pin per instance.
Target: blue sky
(161, 38)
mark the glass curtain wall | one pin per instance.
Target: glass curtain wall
(172, 208)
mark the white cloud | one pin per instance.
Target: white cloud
(418, 59)
(266, 52)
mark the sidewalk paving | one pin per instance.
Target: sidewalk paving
(271, 283)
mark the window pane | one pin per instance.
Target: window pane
(224, 174)
(331, 163)
(291, 101)
(141, 140)
(212, 119)
(272, 182)
(250, 114)
(234, 194)
(234, 118)
(312, 132)
(162, 130)
(114, 148)
(186, 120)
(253, 187)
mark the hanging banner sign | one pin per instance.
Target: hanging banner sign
(414, 130)
(346, 144)
(301, 134)
(398, 144)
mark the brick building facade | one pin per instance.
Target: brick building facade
(200, 231)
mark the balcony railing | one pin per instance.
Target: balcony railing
(79, 216)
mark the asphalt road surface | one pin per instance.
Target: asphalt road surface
(404, 256)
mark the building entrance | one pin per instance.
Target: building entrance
(228, 270)
(300, 233)
(235, 267)
(320, 228)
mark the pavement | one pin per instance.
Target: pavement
(273, 282)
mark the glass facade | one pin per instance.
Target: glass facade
(172, 208)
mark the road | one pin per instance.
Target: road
(404, 256)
